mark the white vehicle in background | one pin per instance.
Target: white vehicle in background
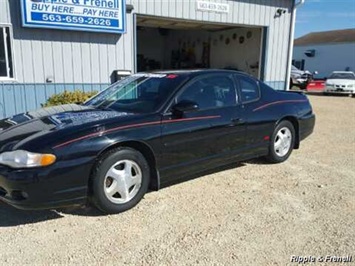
(341, 82)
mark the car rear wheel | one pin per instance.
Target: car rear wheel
(120, 180)
(282, 142)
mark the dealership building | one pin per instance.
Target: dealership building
(48, 46)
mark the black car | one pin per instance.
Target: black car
(144, 131)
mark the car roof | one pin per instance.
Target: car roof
(197, 72)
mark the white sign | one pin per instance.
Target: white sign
(84, 15)
(212, 7)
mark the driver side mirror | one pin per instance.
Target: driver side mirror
(184, 106)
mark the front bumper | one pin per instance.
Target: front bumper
(299, 81)
(62, 184)
(331, 89)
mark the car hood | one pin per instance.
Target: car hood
(340, 81)
(19, 127)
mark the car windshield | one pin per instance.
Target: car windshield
(139, 93)
(342, 76)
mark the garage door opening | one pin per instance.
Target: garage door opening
(179, 44)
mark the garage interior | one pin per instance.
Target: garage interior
(180, 44)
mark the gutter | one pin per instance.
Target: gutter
(301, 2)
(291, 40)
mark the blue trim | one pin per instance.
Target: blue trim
(267, 40)
(264, 53)
(18, 98)
(83, 27)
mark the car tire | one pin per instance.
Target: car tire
(303, 86)
(282, 142)
(119, 180)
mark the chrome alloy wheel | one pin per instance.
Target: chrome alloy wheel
(283, 141)
(122, 181)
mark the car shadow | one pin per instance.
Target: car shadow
(85, 210)
(204, 173)
(10, 216)
(257, 161)
(321, 94)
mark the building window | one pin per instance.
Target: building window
(6, 64)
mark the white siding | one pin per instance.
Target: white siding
(65, 56)
(328, 58)
(80, 57)
(4, 12)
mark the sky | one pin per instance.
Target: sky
(323, 15)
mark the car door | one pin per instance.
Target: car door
(205, 137)
(259, 125)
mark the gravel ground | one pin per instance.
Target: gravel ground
(249, 214)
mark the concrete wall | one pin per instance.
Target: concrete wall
(222, 55)
(328, 58)
(237, 55)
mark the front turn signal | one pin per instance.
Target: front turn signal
(47, 159)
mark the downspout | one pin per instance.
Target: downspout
(292, 36)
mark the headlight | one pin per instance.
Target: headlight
(25, 159)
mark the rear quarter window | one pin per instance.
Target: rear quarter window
(249, 89)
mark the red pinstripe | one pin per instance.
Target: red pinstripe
(278, 102)
(96, 134)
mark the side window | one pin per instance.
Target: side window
(6, 66)
(211, 92)
(249, 89)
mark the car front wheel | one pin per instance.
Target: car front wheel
(120, 180)
(282, 142)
